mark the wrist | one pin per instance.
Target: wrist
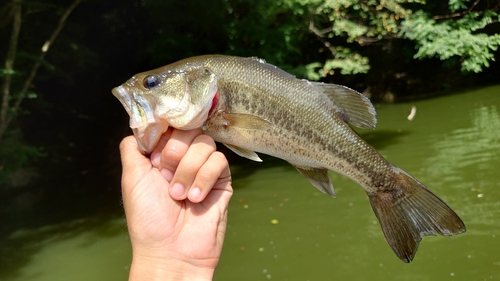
(167, 269)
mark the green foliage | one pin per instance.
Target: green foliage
(279, 30)
(453, 38)
(4, 72)
(348, 62)
(15, 154)
(456, 5)
(364, 18)
(351, 25)
(345, 59)
(345, 25)
(24, 28)
(263, 28)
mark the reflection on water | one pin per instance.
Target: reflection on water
(77, 250)
(282, 228)
(468, 159)
(477, 145)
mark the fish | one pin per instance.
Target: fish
(252, 106)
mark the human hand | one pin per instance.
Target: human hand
(176, 206)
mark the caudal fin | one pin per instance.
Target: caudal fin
(410, 211)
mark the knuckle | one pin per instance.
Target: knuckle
(188, 166)
(211, 171)
(205, 139)
(126, 142)
(206, 176)
(172, 153)
(220, 158)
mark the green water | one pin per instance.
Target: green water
(282, 228)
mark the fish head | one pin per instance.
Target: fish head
(178, 97)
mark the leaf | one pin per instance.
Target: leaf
(453, 38)
(36, 58)
(4, 72)
(456, 5)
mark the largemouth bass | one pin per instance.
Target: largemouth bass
(251, 106)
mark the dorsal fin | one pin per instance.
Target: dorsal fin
(357, 108)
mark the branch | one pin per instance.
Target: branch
(9, 65)
(45, 48)
(320, 35)
(468, 11)
(7, 13)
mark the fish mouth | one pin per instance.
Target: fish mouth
(145, 124)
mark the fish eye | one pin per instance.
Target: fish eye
(151, 81)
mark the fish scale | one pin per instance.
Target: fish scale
(251, 106)
(309, 144)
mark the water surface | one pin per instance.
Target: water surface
(282, 228)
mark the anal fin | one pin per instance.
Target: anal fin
(319, 178)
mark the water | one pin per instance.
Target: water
(282, 228)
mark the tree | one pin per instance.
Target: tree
(263, 28)
(17, 82)
(458, 36)
(453, 32)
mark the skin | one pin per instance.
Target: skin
(176, 206)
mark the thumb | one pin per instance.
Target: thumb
(131, 156)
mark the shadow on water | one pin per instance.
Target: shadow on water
(18, 249)
(380, 139)
(60, 205)
(242, 168)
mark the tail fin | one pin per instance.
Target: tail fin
(410, 211)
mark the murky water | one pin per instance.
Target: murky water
(282, 228)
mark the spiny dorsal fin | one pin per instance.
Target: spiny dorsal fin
(243, 152)
(357, 108)
(319, 178)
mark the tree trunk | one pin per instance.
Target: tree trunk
(5, 119)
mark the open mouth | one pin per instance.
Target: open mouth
(147, 127)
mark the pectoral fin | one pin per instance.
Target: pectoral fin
(319, 178)
(244, 152)
(246, 121)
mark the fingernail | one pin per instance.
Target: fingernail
(155, 159)
(177, 190)
(194, 194)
